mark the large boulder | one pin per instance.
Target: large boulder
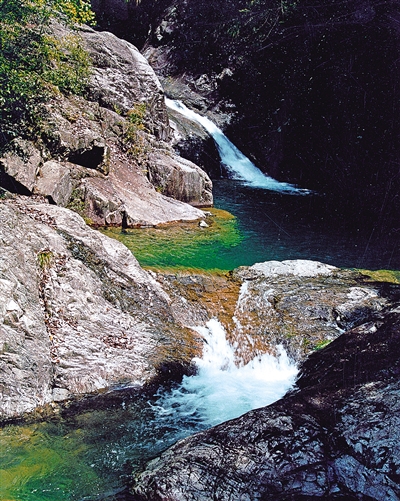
(77, 312)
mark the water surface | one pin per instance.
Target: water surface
(263, 225)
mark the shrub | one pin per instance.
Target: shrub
(33, 64)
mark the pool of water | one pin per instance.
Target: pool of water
(94, 452)
(254, 225)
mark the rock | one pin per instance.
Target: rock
(19, 166)
(122, 78)
(54, 182)
(94, 159)
(77, 312)
(179, 178)
(301, 305)
(334, 437)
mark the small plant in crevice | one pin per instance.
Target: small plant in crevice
(135, 142)
(44, 258)
(321, 344)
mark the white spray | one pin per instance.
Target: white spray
(222, 389)
(238, 165)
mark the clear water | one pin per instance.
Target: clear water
(259, 225)
(277, 226)
(95, 452)
(237, 165)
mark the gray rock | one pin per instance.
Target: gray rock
(179, 178)
(54, 182)
(77, 312)
(20, 162)
(122, 78)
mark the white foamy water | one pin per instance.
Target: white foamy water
(221, 389)
(238, 165)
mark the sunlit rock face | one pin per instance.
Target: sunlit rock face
(78, 314)
(334, 437)
(109, 157)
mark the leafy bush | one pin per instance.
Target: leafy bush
(33, 64)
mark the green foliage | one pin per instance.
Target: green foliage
(78, 11)
(134, 141)
(33, 64)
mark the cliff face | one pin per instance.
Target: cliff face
(309, 87)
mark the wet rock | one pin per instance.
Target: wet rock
(303, 305)
(334, 437)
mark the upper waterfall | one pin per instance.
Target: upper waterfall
(238, 165)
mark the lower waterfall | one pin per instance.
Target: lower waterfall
(224, 387)
(95, 451)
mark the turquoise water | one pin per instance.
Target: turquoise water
(265, 226)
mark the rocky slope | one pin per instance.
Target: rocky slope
(334, 437)
(78, 313)
(109, 156)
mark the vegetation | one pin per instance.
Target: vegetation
(135, 120)
(44, 259)
(34, 65)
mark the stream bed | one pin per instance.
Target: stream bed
(86, 454)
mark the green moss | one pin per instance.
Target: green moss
(34, 65)
(44, 258)
(321, 344)
(391, 276)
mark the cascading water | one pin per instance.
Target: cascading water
(98, 450)
(238, 165)
(224, 387)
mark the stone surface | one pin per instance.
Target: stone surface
(77, 312)
(302, 305)
(334, 437)
(54, 182)
(180, 178)
(94, 159)
(19, 166)
(122, 78)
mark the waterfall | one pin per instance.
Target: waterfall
(238, 165)
(222, 388)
